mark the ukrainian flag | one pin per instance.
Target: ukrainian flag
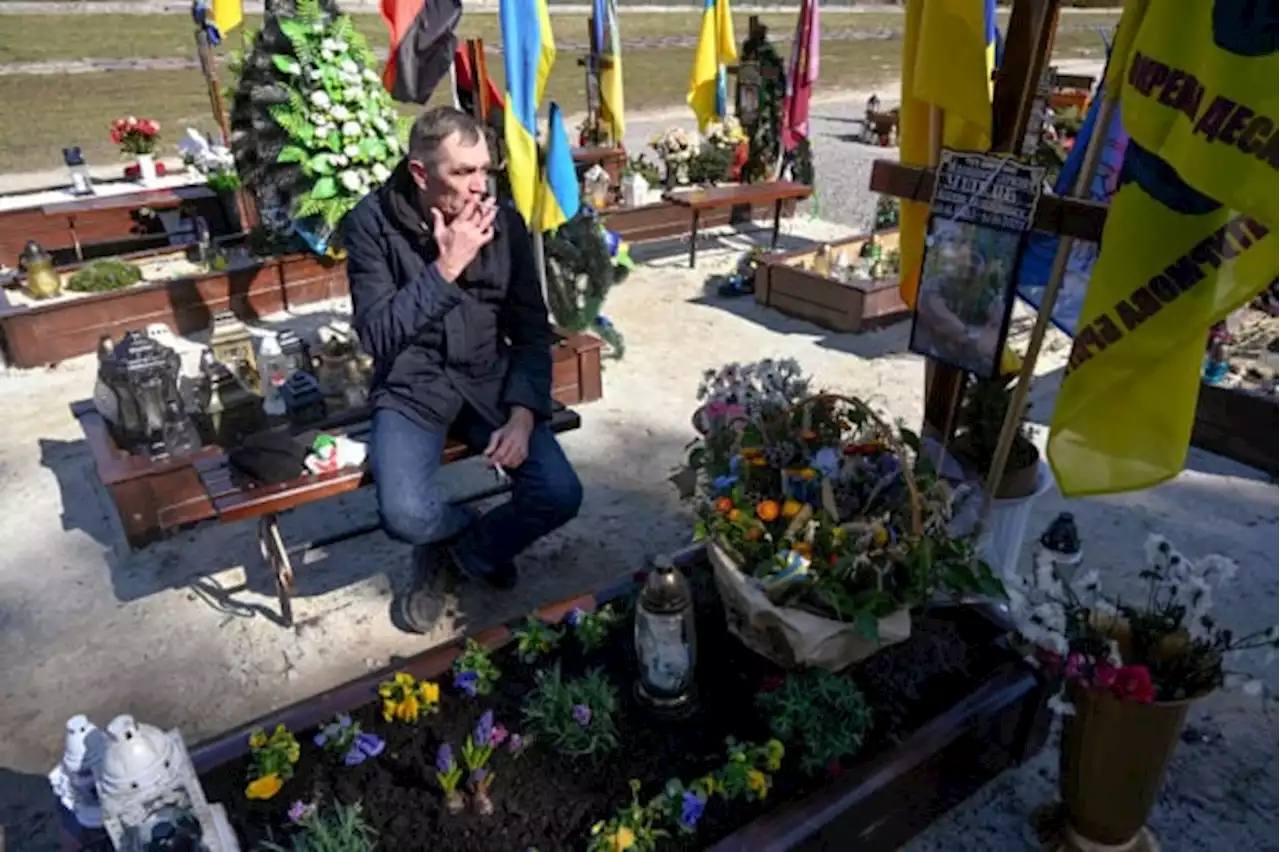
(609, 51)
(560, 196)
(227, 15)
(708, 94)
(528, 52)
(948, 55)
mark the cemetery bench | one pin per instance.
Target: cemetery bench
(699, 201)
(235, 497)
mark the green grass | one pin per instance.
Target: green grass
(78, 109)
(34, 38)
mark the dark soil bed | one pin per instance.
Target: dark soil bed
(547, 802)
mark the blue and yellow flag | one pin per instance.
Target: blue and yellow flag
(708, 94)
(609, 51)
(948, 54)
(561, 197)
(528, 52)
(1190, 236)
(226, 15)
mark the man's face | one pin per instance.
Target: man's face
(459, 175)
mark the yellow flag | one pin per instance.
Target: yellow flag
(948, 52)
(1190, 237)
(227, 15)
(716, 48)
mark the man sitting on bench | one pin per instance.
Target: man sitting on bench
(446, 300)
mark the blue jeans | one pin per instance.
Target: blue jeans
(406, 457)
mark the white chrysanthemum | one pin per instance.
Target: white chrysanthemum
(380, 172)
(351, 149)
(381, 124)
(352, 128)
(393, 144)
(339, 160)
(354, 94)
(326, 55)
(314, 74)
(349, 67)
(370, 75)
(322, 131)
(1157, 549)
(320, 99)
(349, 180)
(328, 44)
(1216, 569)
(339, 113)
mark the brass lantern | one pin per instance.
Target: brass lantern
(43, 281)
(138, 386)
(666, 643)
(229, 411)
(232, 344)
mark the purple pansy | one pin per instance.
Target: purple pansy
(444, 758)
(298, 811)
(515, 743)
(498, 737)
(344, 721)
(691, 807)
(466, 681)
(320, 739)
(582, 714)
(363, 747)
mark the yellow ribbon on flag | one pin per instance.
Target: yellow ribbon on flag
(1190, 237)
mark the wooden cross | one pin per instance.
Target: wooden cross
(1027, 48)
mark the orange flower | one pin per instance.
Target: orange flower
(791, 508)
(809, 435)
(802, 547)
(264, 787)
(767, 510)
(750, 452)
(753, 534)
(735, 515)
(723, 505)
(758, 461)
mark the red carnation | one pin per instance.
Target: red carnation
(1104, 675)
(1133, 683)
(116, 137)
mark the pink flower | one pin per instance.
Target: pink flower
(131, 122)
(1133, 683)
(1075, 660)
(497, 736)
(1104, 675)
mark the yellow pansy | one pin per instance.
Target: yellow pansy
(264, 787)
(257, 739)
(622, 839)
(880, 536)
(757, 783)
(295, 752)
(773, 750)
(430, 692)
(808, 473)
(388, 710)
(791, 508)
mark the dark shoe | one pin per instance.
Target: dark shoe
(502, 576)
(422, 606)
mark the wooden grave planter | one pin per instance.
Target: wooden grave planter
(46, 332)
(879, 803)
(664, 219)
(155, 497)
(1241, 426)
(787, 283)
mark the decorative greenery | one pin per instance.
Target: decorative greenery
(341, 829)
(576, 718)
(271, 761)
(710, 165)
(592, 628)
(406, 699)
(104, 276)
(473, 671)
(887, 210)
(765, 139)
(579, 276)
(822, 714)
(747, 774)
(315, 129)
(829, 508)
(535, 638)
(641, 165)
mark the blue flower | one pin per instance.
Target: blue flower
(364, 747)
(444, 758)
(320, 739)
(827, 462)
(484, 729)
(691, 807)
(575, 617)
(735, 462)
(344, 721)
(582, 714)
(466, 681)
(724, 483)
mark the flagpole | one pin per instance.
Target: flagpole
(1013, 416)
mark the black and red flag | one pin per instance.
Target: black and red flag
(422, 46)
(466, 82)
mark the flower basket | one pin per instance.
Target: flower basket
(789, 636)
(795, 637)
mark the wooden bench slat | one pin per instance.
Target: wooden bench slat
(751, 193)
(235, 502)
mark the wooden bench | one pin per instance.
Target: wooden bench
(776, 192)
(236, 497)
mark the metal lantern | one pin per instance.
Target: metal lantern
(232, 344)
(137, 394)
(666, 642)
(229, 411)
(43, 281)
(151, 797)
(303, 399)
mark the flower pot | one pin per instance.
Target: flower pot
(146, 169)
(1113, 759)
(1006, 525)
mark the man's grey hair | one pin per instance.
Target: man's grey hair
(438, 124)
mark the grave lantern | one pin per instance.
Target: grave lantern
(72, 779)
(137, 394)
(232, 344)
(229, 411)
(43, 281)
(666, 642)
(150, 795)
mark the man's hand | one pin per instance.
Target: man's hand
(461, 239)
(509, 446)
